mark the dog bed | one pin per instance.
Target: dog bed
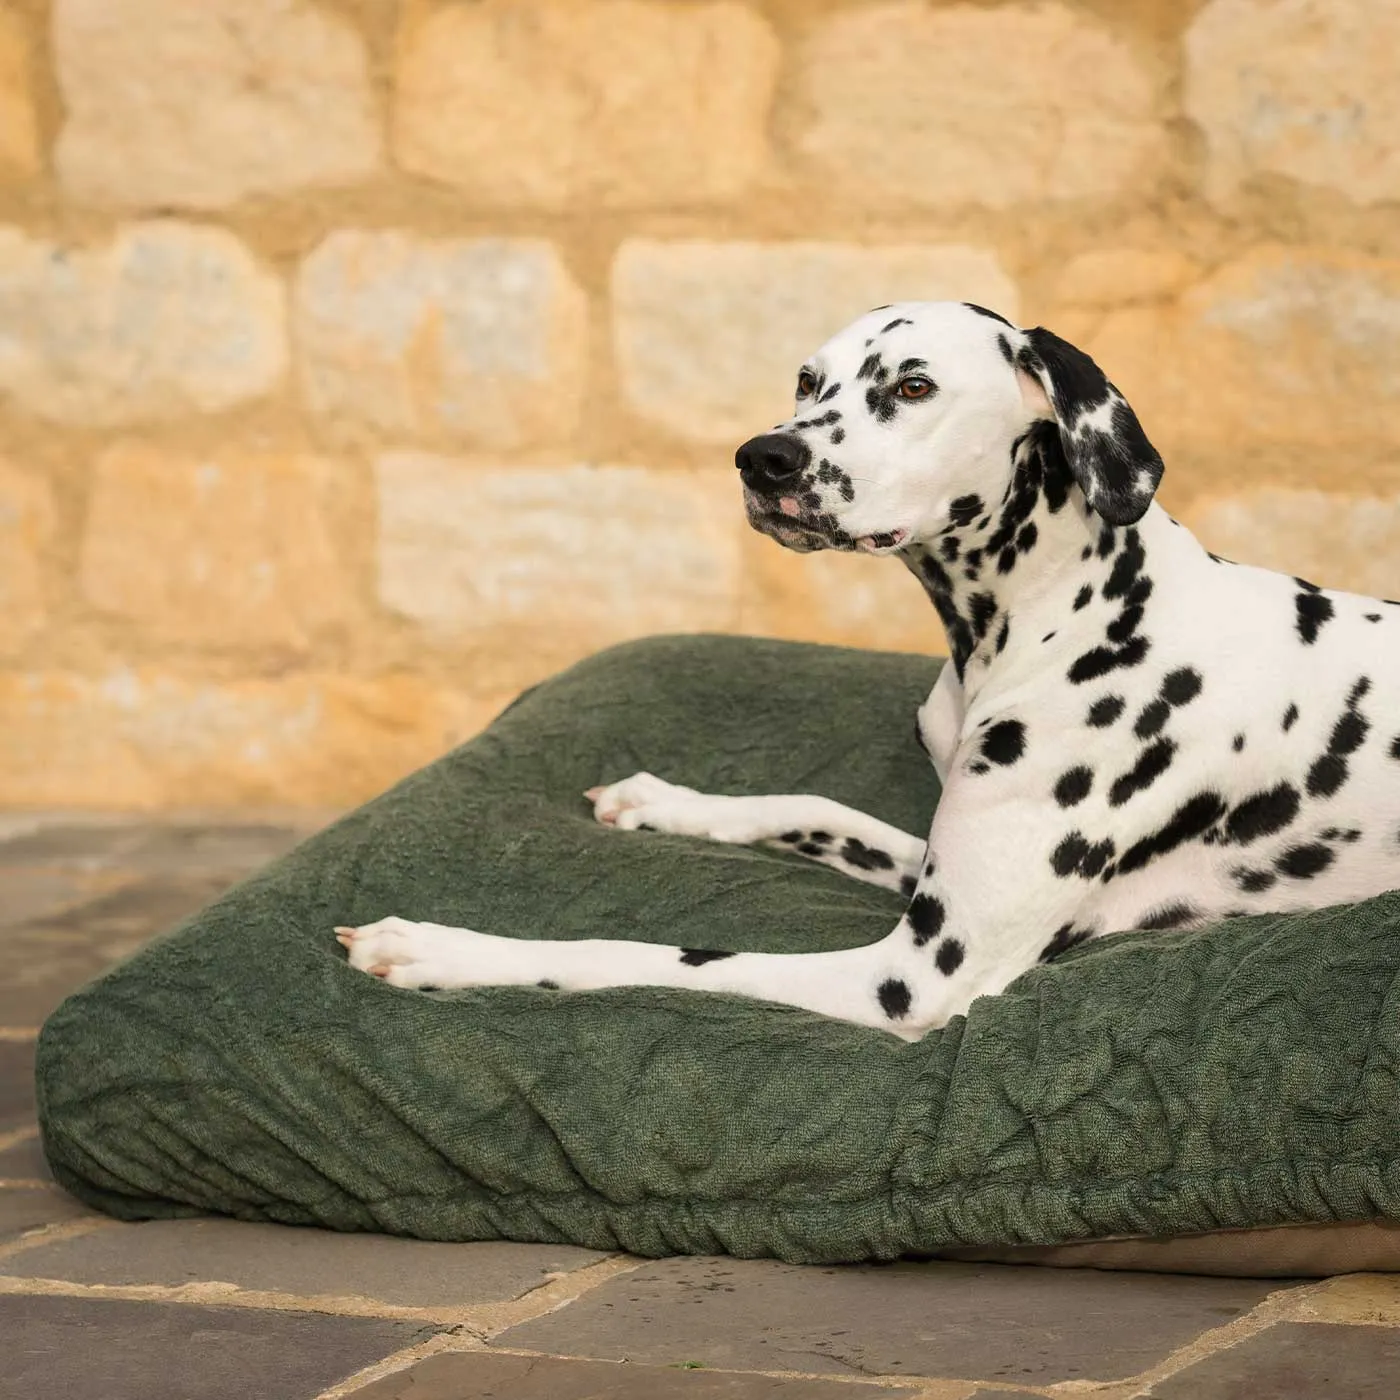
(1145, 1086)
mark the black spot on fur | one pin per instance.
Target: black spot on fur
(1075, 856)
(949, 957)
(1327, 775)
(1152, 719)
(1065, 938)
(1002, 634)
(546, 985)
(1255, 881)
(1373, 617)
(1303, 862)
(895, 998)
(907, 885)
(1152, 762)
(1290, 718)
(698, 957)
(1104, 711)
(1004, 742)
(1262, 814)
(791, 837)
(1313, 611)
(1126, 566)
(898, 321)
(965, 509)
(1169, 916)
(1074, 785)
(1083, 597)
(1237, 743)
(1193, 818)
(863, 857)
(982, 311)
(1181, 686)
(810, 848)
(925, 915)
(1099, 661)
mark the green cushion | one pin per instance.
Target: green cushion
(1146, 1084)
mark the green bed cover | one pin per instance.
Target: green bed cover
(1147, 1084)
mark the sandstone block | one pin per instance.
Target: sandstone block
(202, 105)
(474, 341)
(1297, 88)
(965, 104)
(231, 550)
(1110, 277)
(842, 599)
(1338, 541)
(709, 336)
(1283, 345)
(138, 738)
(167, 319)
(19, 130)
(550, 103)
(26, 523)
(596, 553)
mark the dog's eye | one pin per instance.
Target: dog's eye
(915, 387)
(806, 384)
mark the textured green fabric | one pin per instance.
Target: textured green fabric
(1147, 1084)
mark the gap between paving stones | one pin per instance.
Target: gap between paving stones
(17, 1136)
(479, 1321)
(18, 1034)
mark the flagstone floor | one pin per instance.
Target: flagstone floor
(91, 1309)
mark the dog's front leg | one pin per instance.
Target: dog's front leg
(822, 830)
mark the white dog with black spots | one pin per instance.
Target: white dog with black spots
(1132, 733)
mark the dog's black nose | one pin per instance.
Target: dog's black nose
(770, 462)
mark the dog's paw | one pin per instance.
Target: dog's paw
(409, 954)
(647, 803)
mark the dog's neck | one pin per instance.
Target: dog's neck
(1026, 554)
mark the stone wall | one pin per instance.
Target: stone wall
(363, 362)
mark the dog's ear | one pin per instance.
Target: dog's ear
(1108, 452)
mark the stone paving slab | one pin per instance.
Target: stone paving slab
(986, 1322)
(16, 1084)
(90, 1349)
(231, 849)
(23, 1209)
(24, 1161)
(304, 1261)
(54, 955)
(1296, 1361)
(458, 1376)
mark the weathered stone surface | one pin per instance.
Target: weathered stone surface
(141, 739)
(27, 1208)
(166, 319)
(309, 1263)
(1296, 345)
(118, 1350)
(1350, 542)
(1295, 88)
(1292, 1360)
(26, 526)
(453, 1377)
(605, 552)
(24, 1161)
(845, 599)
(989, 1322)
(475, 341)
(553, 104)
(226, 550)
(1112, 277)
(710, 336)
(19, 130)
(899, 100)
(56, 953)
(16, 1084)
(197, 106)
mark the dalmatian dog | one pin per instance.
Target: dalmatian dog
(1132, 733)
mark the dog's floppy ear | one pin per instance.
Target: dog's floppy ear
(1108, 452)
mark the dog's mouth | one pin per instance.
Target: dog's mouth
(798, 528)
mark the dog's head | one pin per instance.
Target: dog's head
(906, 423)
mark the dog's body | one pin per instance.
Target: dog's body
(1132, 733)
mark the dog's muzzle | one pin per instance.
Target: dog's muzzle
(773, 462)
